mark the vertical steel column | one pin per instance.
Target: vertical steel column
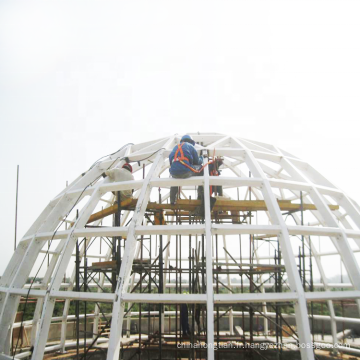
(209, 267)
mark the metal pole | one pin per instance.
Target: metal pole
(217, 292)
(161, 291)
(149, 290)
(311, 289)
(251, 312)
(85, 302)
(141, 285)
(303, 241)
(176, 291)
(161, 280)
(77, 308)
(16, 205)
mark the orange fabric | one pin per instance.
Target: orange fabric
(195, 171)
(182, 157)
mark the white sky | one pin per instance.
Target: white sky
(78, 79)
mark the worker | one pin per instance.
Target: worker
(184, 318)
(215, 171)
(198, 309)
(184, 163)
(123, 174)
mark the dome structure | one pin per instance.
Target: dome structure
(113, 274)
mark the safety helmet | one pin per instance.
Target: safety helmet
(127, 166)
(187, 138)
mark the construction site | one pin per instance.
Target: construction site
(263, 265)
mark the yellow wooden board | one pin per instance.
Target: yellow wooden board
(220, 205)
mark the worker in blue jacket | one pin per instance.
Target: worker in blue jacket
(185, 162)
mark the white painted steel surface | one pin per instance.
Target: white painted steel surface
(275, 175)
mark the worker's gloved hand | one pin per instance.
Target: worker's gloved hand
(201, 160)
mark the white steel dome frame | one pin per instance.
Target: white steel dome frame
(293, 174)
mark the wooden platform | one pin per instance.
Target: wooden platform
(190, 205)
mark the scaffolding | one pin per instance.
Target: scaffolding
(151, 273)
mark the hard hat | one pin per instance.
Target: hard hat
(127, 166)
(187, 138)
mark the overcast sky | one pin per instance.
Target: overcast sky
(79, 79)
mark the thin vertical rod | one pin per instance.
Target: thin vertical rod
(16, 205)
(77, 288)
(141, 286)
(217, 292)
(303, 240)
(311, 289)
(251, 250)
(149, 291)
(85, 302)
(161, 280)
(176, 291)
(161, 291)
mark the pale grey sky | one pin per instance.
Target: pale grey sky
(80, 79)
